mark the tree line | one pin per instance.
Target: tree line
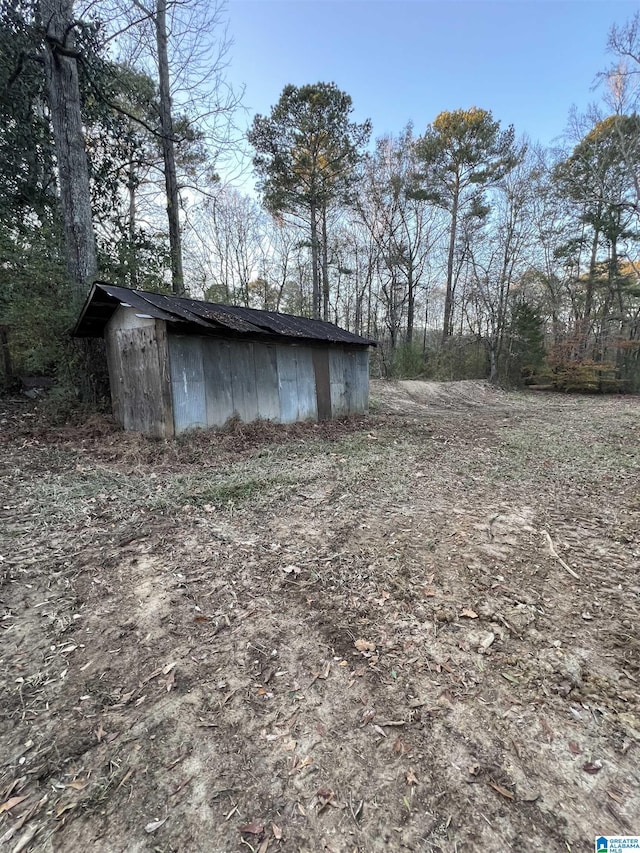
(466, 250)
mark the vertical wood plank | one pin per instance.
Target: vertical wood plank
(339, 405)
(140, 370)
(323, 382)
(116, 378)
(166, 399)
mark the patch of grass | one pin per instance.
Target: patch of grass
(222, 491)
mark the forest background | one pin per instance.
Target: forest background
(466, 250)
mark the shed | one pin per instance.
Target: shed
(177, 363)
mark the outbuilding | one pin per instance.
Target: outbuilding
(177, 363)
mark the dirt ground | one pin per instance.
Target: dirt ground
(412, 631)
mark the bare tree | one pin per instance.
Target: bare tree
(182, 45)
(61, 69)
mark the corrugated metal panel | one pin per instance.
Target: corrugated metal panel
(306, 378)
(349, 373)
(243, 381)
(216, 360)
(187, 382)
(267, 381)
(360, 390)
(288, 383)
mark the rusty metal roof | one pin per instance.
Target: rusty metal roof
(211, 317)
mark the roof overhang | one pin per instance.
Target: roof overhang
(205, 317)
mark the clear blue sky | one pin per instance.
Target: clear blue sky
(527, 61)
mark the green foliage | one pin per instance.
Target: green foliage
(409, 362)
(307, 149)
(35, 301)
(459, 358)
(526, 342)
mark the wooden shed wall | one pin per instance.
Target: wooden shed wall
(137, 358)
(163, 384)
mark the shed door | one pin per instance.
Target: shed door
(187, 382)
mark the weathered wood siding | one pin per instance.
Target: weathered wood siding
(137, 360)
(163, 383)
(349, 380)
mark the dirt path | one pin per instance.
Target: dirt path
(348, 637)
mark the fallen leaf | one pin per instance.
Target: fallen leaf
(253, 828)
(14, 801)
(592, 767)
(277, 832)
(574, 748)
(500, 790)
(170, 680)
(167, 669)
(411, 777)
(400, 747)
(470, 614)
(365, 646)
(264, 846)
(153, 825)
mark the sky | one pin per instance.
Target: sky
(528, 61)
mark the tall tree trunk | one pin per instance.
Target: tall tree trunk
(61, 71)
(168, 150)
(493, 361)
(6, 355)
(411, 303)
(585, 325)
(133, 259)
(315, 297)
(448, 299)
(325, 265)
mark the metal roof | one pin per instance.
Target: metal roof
(104, 299)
